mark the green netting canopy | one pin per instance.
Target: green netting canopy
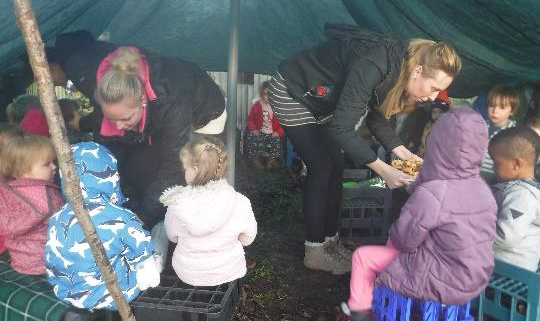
(499, 40)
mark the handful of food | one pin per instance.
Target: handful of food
(409, 167)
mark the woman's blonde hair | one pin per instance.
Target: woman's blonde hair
(121, 81)
(209, 155)
(432, 56)
(503, 94)
(22, 152)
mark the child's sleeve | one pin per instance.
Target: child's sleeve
(251, 122)
(172, 225)
(418, 216)
(515, 215)
(138, 240)
(247, 235)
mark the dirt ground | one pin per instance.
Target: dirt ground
(278, 287)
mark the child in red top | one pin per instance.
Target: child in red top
(27, 199)
(264, 132)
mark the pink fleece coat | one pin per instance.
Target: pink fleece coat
(24, 221)
(211, 224)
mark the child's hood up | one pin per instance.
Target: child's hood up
(98, 173)
(205, 209)
(456, 146)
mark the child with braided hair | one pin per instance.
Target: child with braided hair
(208, 219)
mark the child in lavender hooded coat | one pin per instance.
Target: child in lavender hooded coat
(441, 247)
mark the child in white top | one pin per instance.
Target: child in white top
(209, 220)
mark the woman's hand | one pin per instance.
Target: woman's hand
(404, 154)
(255, 132)
(393, 178)
(275, 134)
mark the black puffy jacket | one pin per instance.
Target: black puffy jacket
(187, 100)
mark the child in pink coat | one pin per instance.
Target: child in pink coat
(208, 219)
(7, 132)
(27, 199)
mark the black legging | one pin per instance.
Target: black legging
(322, 192)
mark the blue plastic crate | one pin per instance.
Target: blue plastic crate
(175, 300)
(391, 306)
(512, 294)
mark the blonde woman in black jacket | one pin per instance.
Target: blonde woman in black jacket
(321, 96)
(150, 106)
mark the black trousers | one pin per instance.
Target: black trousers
(322, 192)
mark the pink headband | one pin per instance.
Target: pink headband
(144, 74)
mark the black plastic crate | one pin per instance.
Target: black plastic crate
(365, 215)
(174, 300)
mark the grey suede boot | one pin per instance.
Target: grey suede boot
(317, 257)
(335, 245)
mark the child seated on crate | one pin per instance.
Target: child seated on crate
(27, 199)
(209, 220)
(264, 133)
(71, 267)
(440, 248)
(514, 152)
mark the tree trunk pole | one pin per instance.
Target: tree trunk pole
(26, 21)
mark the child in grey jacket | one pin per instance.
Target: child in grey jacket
(514, 152)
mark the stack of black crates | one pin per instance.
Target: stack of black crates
(365, 211)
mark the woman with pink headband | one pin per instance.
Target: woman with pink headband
(150, 106)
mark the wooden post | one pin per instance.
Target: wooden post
(26, 20)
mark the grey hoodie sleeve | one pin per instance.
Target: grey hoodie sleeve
(517, 211)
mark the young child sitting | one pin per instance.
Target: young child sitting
(71, 267)
(514, 152)
(502, 102)
(209, 220)
(441, 247)
(27, 199)
(264, 132)
(7, 131)
(438, 107)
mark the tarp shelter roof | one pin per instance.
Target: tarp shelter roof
(499, 40)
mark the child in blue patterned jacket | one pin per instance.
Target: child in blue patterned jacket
(70, 265)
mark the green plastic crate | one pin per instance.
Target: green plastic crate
(513, 294)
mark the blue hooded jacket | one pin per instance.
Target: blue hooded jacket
(71, 267)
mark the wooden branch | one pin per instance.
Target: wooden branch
(26, 20)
